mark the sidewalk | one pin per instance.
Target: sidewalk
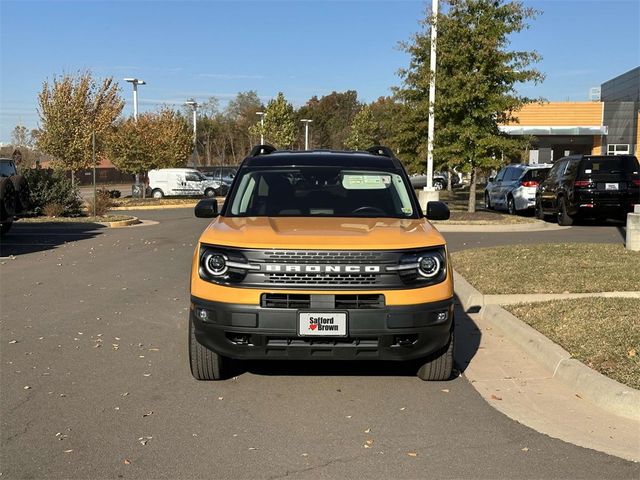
(519, 382)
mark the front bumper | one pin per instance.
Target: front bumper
(390, 333)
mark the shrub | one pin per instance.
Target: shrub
(49, 187)
(53, 210)
(103, 202)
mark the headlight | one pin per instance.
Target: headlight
(215, 263)
(429, 265)
(223, 265)
(426, 267)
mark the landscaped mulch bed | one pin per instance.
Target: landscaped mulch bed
(98, 219)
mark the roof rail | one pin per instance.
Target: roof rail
(381, 151)
(265, 149)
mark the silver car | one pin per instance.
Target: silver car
(514, 187)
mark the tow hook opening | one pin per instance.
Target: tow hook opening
(405, 340)
(239, 338)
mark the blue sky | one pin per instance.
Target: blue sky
(303, 48)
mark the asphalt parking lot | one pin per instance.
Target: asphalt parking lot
(95, 381)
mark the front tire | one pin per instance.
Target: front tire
(511, 206)
(205, 364)
(439, 368)
(209, 193)
(438, 185)
(157, 193)
(564, 219)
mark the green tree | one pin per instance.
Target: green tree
(157, 140)
(332, 116)
(476, 83)
(71, 109)
(365, 130)
(279, 123)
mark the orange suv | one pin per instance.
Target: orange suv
(321, 255)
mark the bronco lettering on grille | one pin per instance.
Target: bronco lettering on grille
(275, 267)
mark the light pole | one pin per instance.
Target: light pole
(135, 82)
(306, 122)
(194, 105)
(262, 114)
(432, 93)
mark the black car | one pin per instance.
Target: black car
(595, 186)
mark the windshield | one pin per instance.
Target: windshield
(322, 192)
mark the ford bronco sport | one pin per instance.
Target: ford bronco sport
(321, 255)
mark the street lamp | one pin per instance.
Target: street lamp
(432, 94)
(135, 82)
(194, 105)
(262, 114)
(306, 122)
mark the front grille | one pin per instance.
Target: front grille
(316, 342)
(321, 279)
(285, 300)
(340, 302)
(311, 257)
(359, 301)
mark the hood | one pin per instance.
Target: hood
(321, 233)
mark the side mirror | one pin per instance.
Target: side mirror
(437, 211)
(491, 179)
(207, 208)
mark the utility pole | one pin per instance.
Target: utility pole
(95, 194)
(135, 82)
(306, 122)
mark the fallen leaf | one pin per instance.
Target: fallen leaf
(124, 394)
(220, 398)
(127, 461)
(69, 451)
(632, 353)
(348, 416)
(367, 430)
(403, 408)
(445, 390)
(495, 397)
(305, 455)
(147, 414)
(13, 341)
(252, 448)
(412, 454)
(146, 374)
(578, 396)
(27, 387)
(525, 449)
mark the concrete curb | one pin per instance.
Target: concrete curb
(121, 223)
(537, 226)
(155, 207)
(606, 393)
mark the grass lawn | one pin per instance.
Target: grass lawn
(98, 219)
(550, 268)
(483, 217)
(603, 333)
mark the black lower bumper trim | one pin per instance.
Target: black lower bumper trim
(390, 333)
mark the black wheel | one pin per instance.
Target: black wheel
(205, 364)
(438, 185)
(5, 227)
(7, 198)
(439, 367)
(209, 193)
(157, 193)
(487, 201)
(564, 219)
(511, 206)
(23, 197)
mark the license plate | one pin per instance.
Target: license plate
(322, 324)
(611, 186)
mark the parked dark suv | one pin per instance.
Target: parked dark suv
(596, 186)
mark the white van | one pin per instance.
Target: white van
(166, 182)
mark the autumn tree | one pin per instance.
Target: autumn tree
(365, 130)
(476, 81)
(156, 140)
(279, 123)
(332, 116)
(71, 109)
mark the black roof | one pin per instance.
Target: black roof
(328, 158)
